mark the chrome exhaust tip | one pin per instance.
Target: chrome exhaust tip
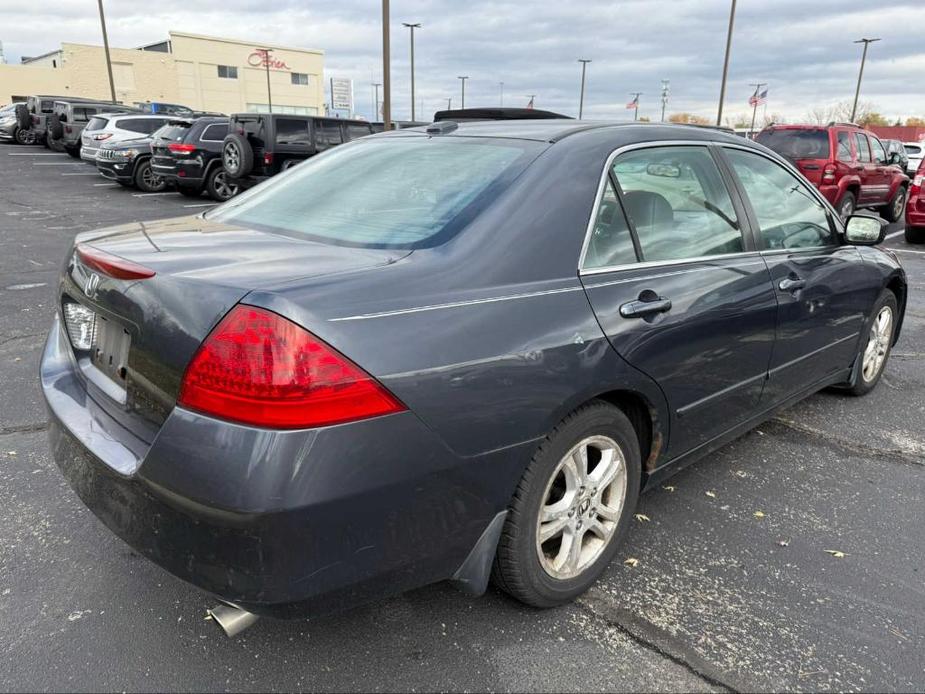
(233, 620)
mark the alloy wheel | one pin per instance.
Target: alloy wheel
(878, 343)
(152, 181)
(581, 507)
(223, 187)
(232, 156)
(899, 204)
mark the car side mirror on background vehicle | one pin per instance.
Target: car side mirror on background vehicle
(864, 230)
(895, 158)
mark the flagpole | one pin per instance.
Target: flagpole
(636, 96)
(757, 87)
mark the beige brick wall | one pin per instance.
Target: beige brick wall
(138, 75)
(26, 80)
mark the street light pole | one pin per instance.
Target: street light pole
(266, 64)
(463, 79)
(581, 100)
(722, 89)
(386, 76)
(665, 92)
(857, 92)
(412, 27)
(502, 93)
(112, 84)
(376, 85)
(636, 96)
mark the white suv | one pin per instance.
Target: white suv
(914, 152)
(115, 127)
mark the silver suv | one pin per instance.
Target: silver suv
(69, 118)
(110, 128)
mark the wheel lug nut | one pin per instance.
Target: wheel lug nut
(571, 513)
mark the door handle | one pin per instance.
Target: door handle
(640, 309)
(791, 284)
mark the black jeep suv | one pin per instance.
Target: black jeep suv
(189, 154)
(260, 145)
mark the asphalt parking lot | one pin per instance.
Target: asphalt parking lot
(736, 587)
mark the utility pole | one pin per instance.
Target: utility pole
(112, 84)
(722, 89)
(412, 27)
(463, 79)
(757, 86)
(581, 100)
(857, 92)
(530, 103)
(449, 103)
(635, 100)
(376, 85)
(266, 64)
(502, 93)
(665, 93)
(386, 75)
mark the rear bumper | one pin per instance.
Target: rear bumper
(185, 172)
(915, 211)
(284, 524)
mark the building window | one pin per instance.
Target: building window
(228, 72)
(300, 78)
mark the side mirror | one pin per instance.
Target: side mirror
(894, 158)
(865, 230)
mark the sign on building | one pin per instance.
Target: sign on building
(341, 94)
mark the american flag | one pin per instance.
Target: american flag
(757, 99)
(634, 103)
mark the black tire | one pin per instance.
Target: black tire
(220, 186)
(915, 234)
(894, 211)
(517, 568)
(146, 180)
(55, 127)
(23, 119)
(23, 136)
(189, 191)
(847, 205)
(863, 385)
(46, 139)
(237, 155)
(73, 152)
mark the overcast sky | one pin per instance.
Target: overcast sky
(802, 48)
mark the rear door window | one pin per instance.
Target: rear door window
(677, 203)
(215, 132)
(292, 131)
(912, 150)
(863, 147)
(789, 215)
(844, 146)
(327, 134)
(611, 242)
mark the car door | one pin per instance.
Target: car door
(679, 288)
(866, 168)
(882, 171)
(820, 283)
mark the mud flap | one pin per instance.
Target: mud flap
(472, 576)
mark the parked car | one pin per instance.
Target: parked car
(10, 128)
(189, 154)
(69, 118)
(163, 108)
(111, 128)
(456, 352)
(260, 145)
(914, 153)
(896, 154)
(35, 116)
(848, 164)
(915, 208)
(128, 162)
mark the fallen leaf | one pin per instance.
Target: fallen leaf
(741, 473)
(784, 543)
(836, 553)
(642, 518)
(668, 488)
(632, 561)
(712, 495)
(758, 514)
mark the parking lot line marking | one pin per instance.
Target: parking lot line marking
(894, 234)
(148, 195)
(36, 154)
(81, 174)
(203, 204)
(105, 185)
(58, 163)
(907, 250)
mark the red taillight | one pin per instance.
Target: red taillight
(181, 148)
(112, 265)
(828, 173)
(102, 136)
(258, 368)
(267, 158)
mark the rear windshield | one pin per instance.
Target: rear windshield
(797, 144)
(175, 132)
(97, 123)
(397, 193)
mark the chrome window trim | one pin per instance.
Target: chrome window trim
(661, 263)
(599, 195)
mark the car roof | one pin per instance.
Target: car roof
(554, 130)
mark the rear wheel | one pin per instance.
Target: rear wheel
(146, 180)
(23, 137)
(875, 348)
(894, 211)
(915, 234)
(847, 205)
(220, 186)
(571, 509)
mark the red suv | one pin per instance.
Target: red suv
(915, 208)
(848, 165)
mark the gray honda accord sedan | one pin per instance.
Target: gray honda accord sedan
(454, 352)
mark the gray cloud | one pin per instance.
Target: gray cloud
(803, 49)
